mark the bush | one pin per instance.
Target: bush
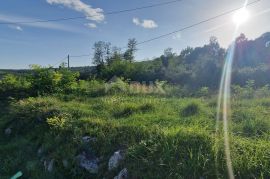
(249, 91)
(117, 85)
(68, 80)
(203, 92)
(191, 109)
(14, 86)
(48, 80)
(263, 92)
(254, 127)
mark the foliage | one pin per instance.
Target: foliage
(131, 49)
(203, 92)
(102, 54)
(15, 86)
(249, 91)
(48, 80)
(197, 67)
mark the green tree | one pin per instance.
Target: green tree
(187, 51)
(131, 49)
(116, 55)
(102, 55)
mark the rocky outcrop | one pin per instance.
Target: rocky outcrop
(123, 174)
(115, 159)
(88, 162)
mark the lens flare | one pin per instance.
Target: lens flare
(224, 105)
(241, 16)
(225, 94)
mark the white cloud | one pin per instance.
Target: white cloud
(19, 28)
(91, 25)
(95, 14)
(48, 25)
(146, 23)
(136, 21)
(149, 24)
(16, 27)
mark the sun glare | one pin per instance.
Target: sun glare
(241, 16)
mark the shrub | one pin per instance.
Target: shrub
(237, 91)
(48, 80)
(14, 86)
(9, 82)
(68, 80)
(263, 92)
(254, 127)
(191, 109)
(43, 80)
(59, 122)
(118, 85)
(203, 92)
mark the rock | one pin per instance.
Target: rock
(40, 151)
(48, 165)
(8, 131)
(115, 159)
(65, 163)
(87, 139)
(90, 163)
(123, 174)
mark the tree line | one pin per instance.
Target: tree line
(193, 68)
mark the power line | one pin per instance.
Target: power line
(79, 56)
(82, 17)
(187, 27)
(196, 24)
(62, 60)
(144, 7)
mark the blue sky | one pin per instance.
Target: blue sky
(47, 43)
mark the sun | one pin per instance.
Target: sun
(241, 16)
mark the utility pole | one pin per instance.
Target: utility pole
(68, 61)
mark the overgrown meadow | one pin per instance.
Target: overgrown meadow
(164, 131)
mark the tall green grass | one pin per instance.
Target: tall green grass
(162, 137)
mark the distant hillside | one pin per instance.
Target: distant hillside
(12, 71)
(84, 71)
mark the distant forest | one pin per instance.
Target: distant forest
(193, 67)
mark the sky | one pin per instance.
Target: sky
(48, 43)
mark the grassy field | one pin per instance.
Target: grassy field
(161, 137)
